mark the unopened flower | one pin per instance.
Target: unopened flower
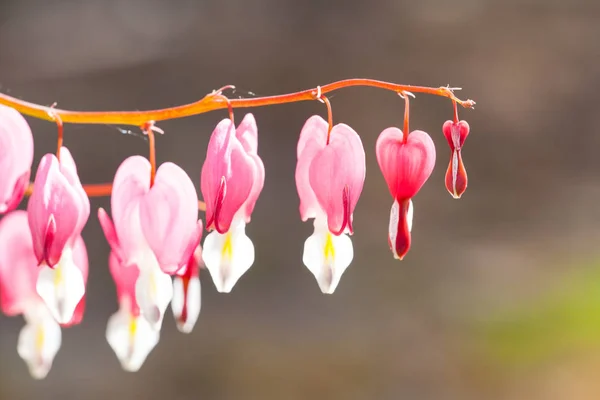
(406, 164)
(40, 338)
(57, 212)
(16, 157)
(232, 178)
(329, 179)
(155, 229)
(456, 175)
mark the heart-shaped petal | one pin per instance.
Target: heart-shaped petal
(228, 176)
(58, 208)
(168, 214)
(406, 166)
(337, 175)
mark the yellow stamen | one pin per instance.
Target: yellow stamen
(153, 287)
(133, 325)
(329, 249)
(40, 337)
(227, 250)
(58, 275)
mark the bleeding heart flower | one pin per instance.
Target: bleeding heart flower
(186, 301)
(155, 229)
(16, 157)
(232, 178)
(406, 164)
(57, 212)
(129, 334)
(329, 180)
(40, 338)
(456, 175)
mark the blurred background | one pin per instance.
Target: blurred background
(499, 297)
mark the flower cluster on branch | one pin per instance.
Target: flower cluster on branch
(153, 228)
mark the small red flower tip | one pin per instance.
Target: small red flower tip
(406, 166)
(16, 157)
(456, 175)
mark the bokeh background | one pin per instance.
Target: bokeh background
(499, 297)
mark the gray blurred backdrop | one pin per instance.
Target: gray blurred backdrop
(417, 329)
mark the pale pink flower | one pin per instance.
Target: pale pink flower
(329, 179)
(57, 212)
(232, 178)
(155, 229)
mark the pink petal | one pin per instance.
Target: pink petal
(18, 264)
(16, 157)
(168, 214)
(337, 174)
(69, 170)
(455, 133)
(57, 210)
(125, 278)
(247, 134)
(313, 138)
(227, 178)
(131, 183)
(405, 166)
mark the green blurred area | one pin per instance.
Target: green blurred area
(561, 321)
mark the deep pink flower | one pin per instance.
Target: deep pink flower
(129, 334)
(57, 212)
(406, 166)
(456, 175)
(16, 157)
(232, 178)
(40, 338)
(155, 228)
(186, 301)
(329, 180)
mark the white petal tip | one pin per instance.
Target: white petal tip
(131, 338)
(61, 288)
(228, 256)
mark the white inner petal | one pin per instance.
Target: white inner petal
(327, 256)
(191, 300)
(228, 256)
(39, 340)
(61, 288)
(454, 171)
(131, 338)
(153, 289)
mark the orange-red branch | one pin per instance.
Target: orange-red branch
(101, 190)
(212, 101)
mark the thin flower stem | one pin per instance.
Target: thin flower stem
(209, 103)
(406, 97)
(101, 190)
(323, 99)
(147, 128)
(455, 111)
(59, 140)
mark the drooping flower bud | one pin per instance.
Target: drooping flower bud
(456, 175)
(406, 165)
